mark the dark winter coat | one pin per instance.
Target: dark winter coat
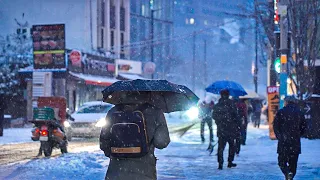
(226, 117)
(289, 125)
(143, 168)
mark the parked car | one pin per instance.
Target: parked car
(88, 120)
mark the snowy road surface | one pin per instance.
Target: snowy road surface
(185, 158)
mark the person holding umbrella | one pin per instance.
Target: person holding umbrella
(226, 117)
(136, 125)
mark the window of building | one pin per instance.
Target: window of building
(112, 16)
(102, 37)
(143, 10)
(103, 13)
(122, 18)
(112, 39)
(134, 30)
(133, 6)
(142, 31)
(122, 41)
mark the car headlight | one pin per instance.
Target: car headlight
(66, 124)
(193, 113)
(102, 122)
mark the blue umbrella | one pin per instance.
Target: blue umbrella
(234, 88)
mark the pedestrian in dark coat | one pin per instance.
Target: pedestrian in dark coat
(143, 168)
(228, 127)
(3, 106)
(243, 114)
(289, 125)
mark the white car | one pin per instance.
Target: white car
(88, 120)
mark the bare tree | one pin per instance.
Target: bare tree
(304, 24)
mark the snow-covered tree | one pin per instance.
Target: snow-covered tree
(15, 53)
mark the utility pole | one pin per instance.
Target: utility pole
(282, 8)
(151, 37)
(272, 72)
(255, 78)
(194, 62)
(205, 63)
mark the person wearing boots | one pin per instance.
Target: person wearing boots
(289, 125)
(226, 117)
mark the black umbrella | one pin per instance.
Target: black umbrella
(160, 93)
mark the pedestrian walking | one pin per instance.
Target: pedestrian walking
(289, 125)
(250, 110)
(3, 106)
(129, 139)
(226, 117)
(256, 117)
(242, 112)
(206, 118)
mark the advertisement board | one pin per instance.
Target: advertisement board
(49, 46)
(129, 66)
(273, 107)
(86, 63)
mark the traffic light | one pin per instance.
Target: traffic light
(277, 62)
(277, 65)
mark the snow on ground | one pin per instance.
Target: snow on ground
(16, 135)
(185, 158)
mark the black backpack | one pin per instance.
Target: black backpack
(128, 133)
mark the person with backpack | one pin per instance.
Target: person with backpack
(129, 139)
(228, 127)
(289, 125)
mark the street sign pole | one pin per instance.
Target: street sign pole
(284, 51)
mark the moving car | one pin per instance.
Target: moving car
(88, 120)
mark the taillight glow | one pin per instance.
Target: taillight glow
(44, 133)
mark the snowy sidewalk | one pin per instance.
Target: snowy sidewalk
(185, 158)
(16, 135)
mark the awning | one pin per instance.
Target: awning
(30, 69)
(94, 80)
(131, 76)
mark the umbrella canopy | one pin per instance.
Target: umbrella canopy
(250, 95)
(160, 93)
(234, 88)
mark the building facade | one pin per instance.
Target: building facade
(114, 26)
(140, 32)
(228, 40)
(94, 34)
(91, 25)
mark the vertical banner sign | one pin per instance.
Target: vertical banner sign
(49, 46)
(273, 107)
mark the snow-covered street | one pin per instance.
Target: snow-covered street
(185, 158)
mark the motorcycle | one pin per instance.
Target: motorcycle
(48, 131)
(48, 118)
